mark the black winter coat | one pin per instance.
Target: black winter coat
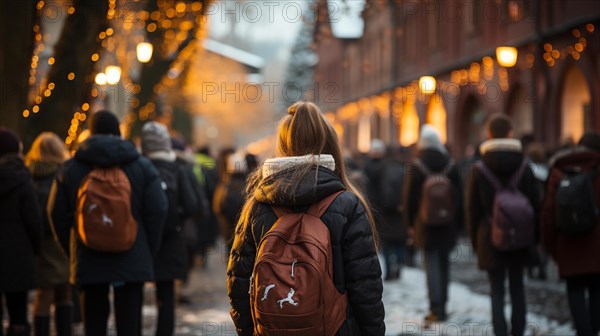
(20, 226)
(428, 237)
(149, 208)
(171, 261)
(479, 204)
(356, 269)
(228, 202)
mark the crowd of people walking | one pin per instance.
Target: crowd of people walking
(303, 230)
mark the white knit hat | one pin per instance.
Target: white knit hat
(155, 138)
(430, 139)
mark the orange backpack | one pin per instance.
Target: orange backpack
(103, 216)
(291, 288)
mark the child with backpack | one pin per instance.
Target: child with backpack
(304, 258)
(171, 262)
(570, 223)
(502, 207)
(108, 210)
(433, 209)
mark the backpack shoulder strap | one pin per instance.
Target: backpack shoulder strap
(489, 175)
(318, 209)
(446, 171)
(280, 212)
(516, 178)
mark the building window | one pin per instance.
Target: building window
(409, 124)
(436, 115)
(517, 10)
(575, 105)
(473, 16)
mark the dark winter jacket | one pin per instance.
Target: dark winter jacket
(389, 219)
(431, 237)
(149, 208)
(43, 177)
(503, 161)
(20, 226)
(171, 261)
(355, 262)
(228, 202)
(575, 255)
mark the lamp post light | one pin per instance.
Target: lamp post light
(113, 74)
(100, 78)
(427, 84)
(507, 56)
(144, 52)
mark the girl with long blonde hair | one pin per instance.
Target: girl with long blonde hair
(308, 168)
(44, 159)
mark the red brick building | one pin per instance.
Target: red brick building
(370, 84)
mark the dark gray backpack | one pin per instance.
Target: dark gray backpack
(513, 217)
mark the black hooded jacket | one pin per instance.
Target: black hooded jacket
(149, 208)
(431, 237)
(479, 201)
(20, 226)
(355, 263)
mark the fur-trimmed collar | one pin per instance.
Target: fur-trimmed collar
(501, 145)
(169, 156)
(275, 165)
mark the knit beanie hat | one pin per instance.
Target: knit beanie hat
(104, 123)
(430, 139)
(155, 138)
(9, 142)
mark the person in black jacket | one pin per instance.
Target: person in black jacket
(171, 262)
(94, 271)
(20, 233)
(503, 156)
(436, 242)
(44, 159)
(309, 168)
(229, 197)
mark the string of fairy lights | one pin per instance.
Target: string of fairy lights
(126, 30)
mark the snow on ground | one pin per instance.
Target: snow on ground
(406, 304)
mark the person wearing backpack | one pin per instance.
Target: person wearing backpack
(108, 211)
(46, 156)
(305, 243)
(385, 178)
(20, 233)
(502, 207)
(171, 261)
(571, 228)
(433, 210)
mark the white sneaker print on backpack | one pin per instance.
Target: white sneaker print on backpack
(288, 299)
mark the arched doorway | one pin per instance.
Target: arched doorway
(520, 108)
(408, 124)
(576, 112)
(436, 115)
(471, 127)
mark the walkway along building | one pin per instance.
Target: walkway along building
(439, 62)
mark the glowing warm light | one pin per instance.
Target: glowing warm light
(95, 57)
(35, 109)
(25, 113)
(507, 56)
(364, 134)
(51, 60)
(71, 76)
(144, 52)
(113, 74)
(436, 116)
(100, 78)
(409, 124)
(85, 106)
(427, 84)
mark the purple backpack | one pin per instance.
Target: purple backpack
(513, 218)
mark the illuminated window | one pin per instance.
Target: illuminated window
(436, 115)
(575, 105)
(409, 124)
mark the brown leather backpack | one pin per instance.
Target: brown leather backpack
(438, 205)
(291, 289)
(103, 216)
